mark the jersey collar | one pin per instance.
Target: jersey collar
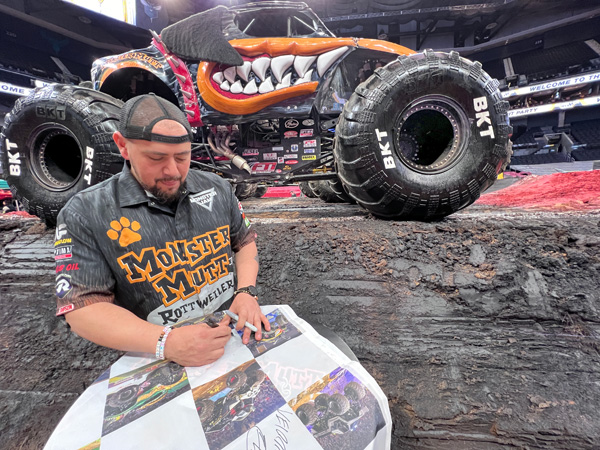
(132, 193)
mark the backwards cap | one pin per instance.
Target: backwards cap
(140, 114)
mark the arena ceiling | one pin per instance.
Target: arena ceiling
(344, 17)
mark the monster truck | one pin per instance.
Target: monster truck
(156, 386)
(274, 96)
(232, 404)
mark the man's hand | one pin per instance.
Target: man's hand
(197, 345)
(248, 310)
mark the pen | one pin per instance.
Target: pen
(235, 317)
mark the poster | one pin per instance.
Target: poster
(293, 389)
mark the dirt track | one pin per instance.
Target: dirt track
(483, 329)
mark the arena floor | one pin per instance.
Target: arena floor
(483, 328)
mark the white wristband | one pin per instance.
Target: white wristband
(160, 344)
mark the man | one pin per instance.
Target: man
(153, 245)
(7, 206)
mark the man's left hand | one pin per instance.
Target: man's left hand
(248, 310)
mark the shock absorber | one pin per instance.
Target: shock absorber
(220, 145)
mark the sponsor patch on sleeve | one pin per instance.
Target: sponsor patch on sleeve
(65, 309)
(63, 285)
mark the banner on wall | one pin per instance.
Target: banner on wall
(562, 106)
(11, 89)
(552, 85)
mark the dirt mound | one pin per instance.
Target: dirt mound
(483, 329)
(558, 192)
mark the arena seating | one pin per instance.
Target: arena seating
(587, 132)
(586, 154)
(542, 64)
(527, 139)
(37, 63)
(546, 158)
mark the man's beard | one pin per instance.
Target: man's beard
(162, 197)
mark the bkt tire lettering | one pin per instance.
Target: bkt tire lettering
(87, 170)
(14, 160)
(483, 116)
(388, 161)
(51, 112)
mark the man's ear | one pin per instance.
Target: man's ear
(121, 144)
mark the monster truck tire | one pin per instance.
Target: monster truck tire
(322, 401)
(236, 380)
(323, 190)
(123, 399)
(257, 376)
(306, 190)
(422, 137)
(260, 191)
(354, 391)
(56, 142)
(314, 187)
(337, 187)
(245, 190)
(307, 413)
(166, 375)
(338, 404)
(281, 321)
(205, 409)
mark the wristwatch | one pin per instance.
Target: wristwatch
(247, 290)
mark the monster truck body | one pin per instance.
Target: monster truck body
(233, 403)
(405, 135)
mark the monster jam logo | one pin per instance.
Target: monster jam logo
(175, 271)
(138, 57)
(204, 198)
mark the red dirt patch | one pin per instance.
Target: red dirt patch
(559, 192)
(22, 214)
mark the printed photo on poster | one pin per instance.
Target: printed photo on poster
(339, 411)
(133, 394)
(232, 404)
(281, 332)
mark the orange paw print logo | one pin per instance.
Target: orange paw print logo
(124, 231)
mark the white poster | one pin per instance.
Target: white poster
(291, 390)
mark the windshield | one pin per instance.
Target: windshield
(276, 23)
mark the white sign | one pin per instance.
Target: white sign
(589, 101)
(552, 85)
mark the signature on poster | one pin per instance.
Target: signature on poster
(256, 440)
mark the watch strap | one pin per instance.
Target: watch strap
(250, 290)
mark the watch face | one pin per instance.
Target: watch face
(252, 290)
(249, 290)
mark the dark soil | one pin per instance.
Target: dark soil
(482, 329)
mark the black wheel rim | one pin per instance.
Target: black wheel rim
(431, 134)
(56, 157)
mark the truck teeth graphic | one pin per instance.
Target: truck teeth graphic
(265, 74)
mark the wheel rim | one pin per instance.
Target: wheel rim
(56, 157)
(430, 134)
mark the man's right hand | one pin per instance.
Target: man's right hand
(197, 345)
